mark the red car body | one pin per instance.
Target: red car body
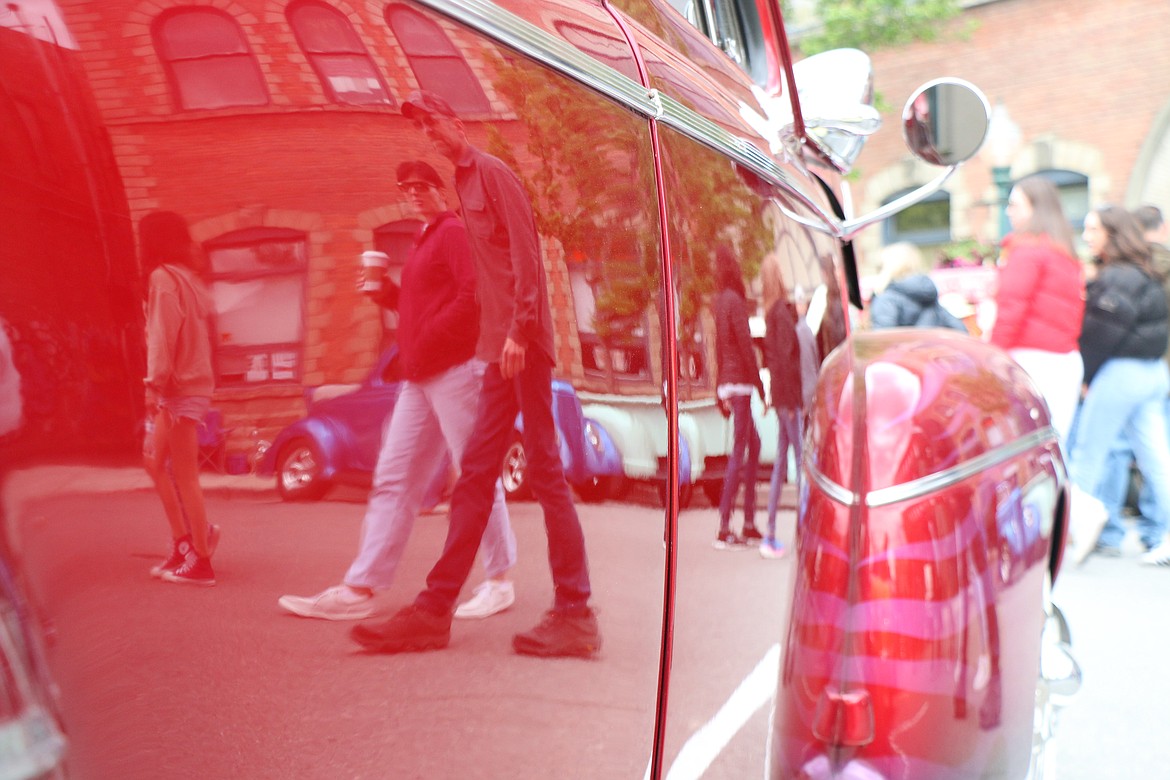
(902, 636)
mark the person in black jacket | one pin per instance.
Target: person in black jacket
(737, 377)
(1123, 337)
(910, 297)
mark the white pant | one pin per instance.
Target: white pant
(429, 417)
(1058, 377)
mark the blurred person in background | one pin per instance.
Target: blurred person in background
(1123, 338)
(1040, 299)
(908, 297)
(1121, 471)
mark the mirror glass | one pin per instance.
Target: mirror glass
(945, 121)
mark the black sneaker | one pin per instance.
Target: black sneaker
(412, 629)
(179, 550)
(561, 633)
(728, 540)
(751, 536)
(193, 571)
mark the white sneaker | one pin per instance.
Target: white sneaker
(1087, 517)
(1159, 556)
(491, 596)
(337, 603)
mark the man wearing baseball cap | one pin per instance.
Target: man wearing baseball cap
(516, 341)
(437, 331)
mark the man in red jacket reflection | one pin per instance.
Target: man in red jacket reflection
(516, 341)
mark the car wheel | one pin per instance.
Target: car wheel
(595, 490)
(298, 472)
(1060, 679)
(514, 469)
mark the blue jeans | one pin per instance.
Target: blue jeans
(790, 433)
(1114, 490)
(742, 464)
(428, 417)
(500, 399)
(1127, 398)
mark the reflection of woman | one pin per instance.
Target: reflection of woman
(179, 384)
(737, 377)
(1124, 336)
(1040, 298)
(782, 356)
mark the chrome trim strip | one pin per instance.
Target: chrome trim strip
(933, 483)
(528, 39)
(830, 488)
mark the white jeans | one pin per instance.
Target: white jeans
(1058, 377)
(429, 417)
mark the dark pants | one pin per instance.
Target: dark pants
(471, 500)
(742, 464)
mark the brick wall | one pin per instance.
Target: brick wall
(1087, 82)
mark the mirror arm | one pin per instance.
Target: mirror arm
(851, 227)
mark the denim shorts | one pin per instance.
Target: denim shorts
(193, 407)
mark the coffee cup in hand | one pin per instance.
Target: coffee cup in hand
(374, 266)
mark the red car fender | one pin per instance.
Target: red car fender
(931, 506)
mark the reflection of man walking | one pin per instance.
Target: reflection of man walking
(516, 340)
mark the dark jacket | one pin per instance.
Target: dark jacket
(1125, 316)
(912, 301)
(1040, 300)
(736, 359)
(438, 317)
(782, 355)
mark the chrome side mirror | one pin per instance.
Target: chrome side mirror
(836, 97)
(945, 121)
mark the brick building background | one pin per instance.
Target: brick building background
(1087, 83)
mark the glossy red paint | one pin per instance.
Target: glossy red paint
(644, 149)
(922, 550)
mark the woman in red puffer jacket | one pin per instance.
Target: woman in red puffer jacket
(1041, 298)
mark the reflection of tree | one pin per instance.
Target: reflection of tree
(586, 169)
(700, 223)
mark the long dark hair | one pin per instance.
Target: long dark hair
(163, 237)
(1124, 241)
(728, 274)
(1047, 214)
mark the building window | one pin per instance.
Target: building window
(437, 64)
(337, 54)
(208, 60)
(613, 345)
(926, 223)
(1074, 194)
(258, 283)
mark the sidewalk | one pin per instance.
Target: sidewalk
(26, 485)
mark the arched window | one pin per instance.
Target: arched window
(437, 64)
(337, 54)
(1074, 194)
(258, 278)
(208, 60)
(925, 223)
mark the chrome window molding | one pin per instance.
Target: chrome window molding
(932, 483)
(528, 39)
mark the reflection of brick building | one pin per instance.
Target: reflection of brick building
(222, 112)
(1086, 83)
(275, 130)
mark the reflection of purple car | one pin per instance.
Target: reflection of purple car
(337, 442)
